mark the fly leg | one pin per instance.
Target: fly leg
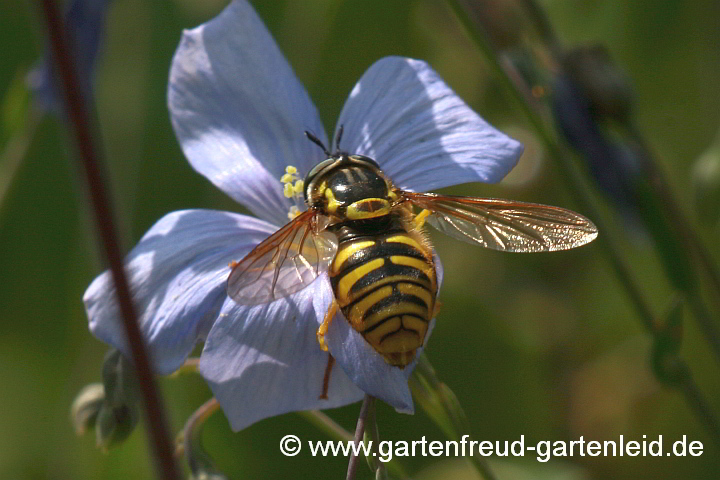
(419, 219)
(322, 330)
(326, 378)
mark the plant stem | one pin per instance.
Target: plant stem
(665, 199)
(359, 433)
(374, 434)
(700, 407)
(578, 186)
(198, 461)
(581, 191)
(90, 160)
(333, 430)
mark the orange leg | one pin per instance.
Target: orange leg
(322, 330)
(326, 378)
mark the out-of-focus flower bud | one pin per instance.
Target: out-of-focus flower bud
(114, 425)
(706, 184)
(84, 24)
(86, 406)
(119, 412)
(616, 167)
(607, 87)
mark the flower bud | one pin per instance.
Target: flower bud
(114, 424)
(86, 406)
(119, 412)
(606, 86)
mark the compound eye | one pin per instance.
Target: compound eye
(363, 158)
(314, 173)
(316, 169)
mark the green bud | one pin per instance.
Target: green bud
(119, 413)
(114, 425)
(119, 379)
(86, 406)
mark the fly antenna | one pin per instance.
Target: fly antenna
(338, 137)
(317, 142)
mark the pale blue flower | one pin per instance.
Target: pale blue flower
(84, 23)
(240, 113)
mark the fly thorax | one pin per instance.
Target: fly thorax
(356, 193)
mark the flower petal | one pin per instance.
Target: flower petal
(366, 368)
(177, 273)
(421, 133)
(265, 360)
(240, 112)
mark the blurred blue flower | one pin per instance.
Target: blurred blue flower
(240, 113)
(616, 167)
(84, 27)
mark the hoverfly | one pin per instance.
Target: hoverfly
(363, 230)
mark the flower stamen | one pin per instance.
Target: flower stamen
(293, 188)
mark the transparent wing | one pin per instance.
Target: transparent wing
(284, 263)
(505, 225)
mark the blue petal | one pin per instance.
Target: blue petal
(177, 274)
(85, 26)
(240, 112)
(424, 136)
(366, 368)
(265, 360)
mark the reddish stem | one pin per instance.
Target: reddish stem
(92, 167)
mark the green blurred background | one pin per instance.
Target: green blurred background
(545, 345)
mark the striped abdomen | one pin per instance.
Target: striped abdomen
(385, 285)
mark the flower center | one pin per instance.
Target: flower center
(293, 187)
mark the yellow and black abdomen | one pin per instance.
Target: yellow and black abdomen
(385, 284)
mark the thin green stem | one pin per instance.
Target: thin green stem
(688, 242)
(542, 23)
(442, 406)
(323, 422)
(578, 186)
(661, 189)
(700, 407)
(359, 433)
(199, 462)
(581, 191)
(317, 418)
(373, 435)
(335, 431)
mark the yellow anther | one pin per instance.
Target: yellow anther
(287, 178)
(299, 185)
(294, 212)
(288, 190)
(290, 169)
